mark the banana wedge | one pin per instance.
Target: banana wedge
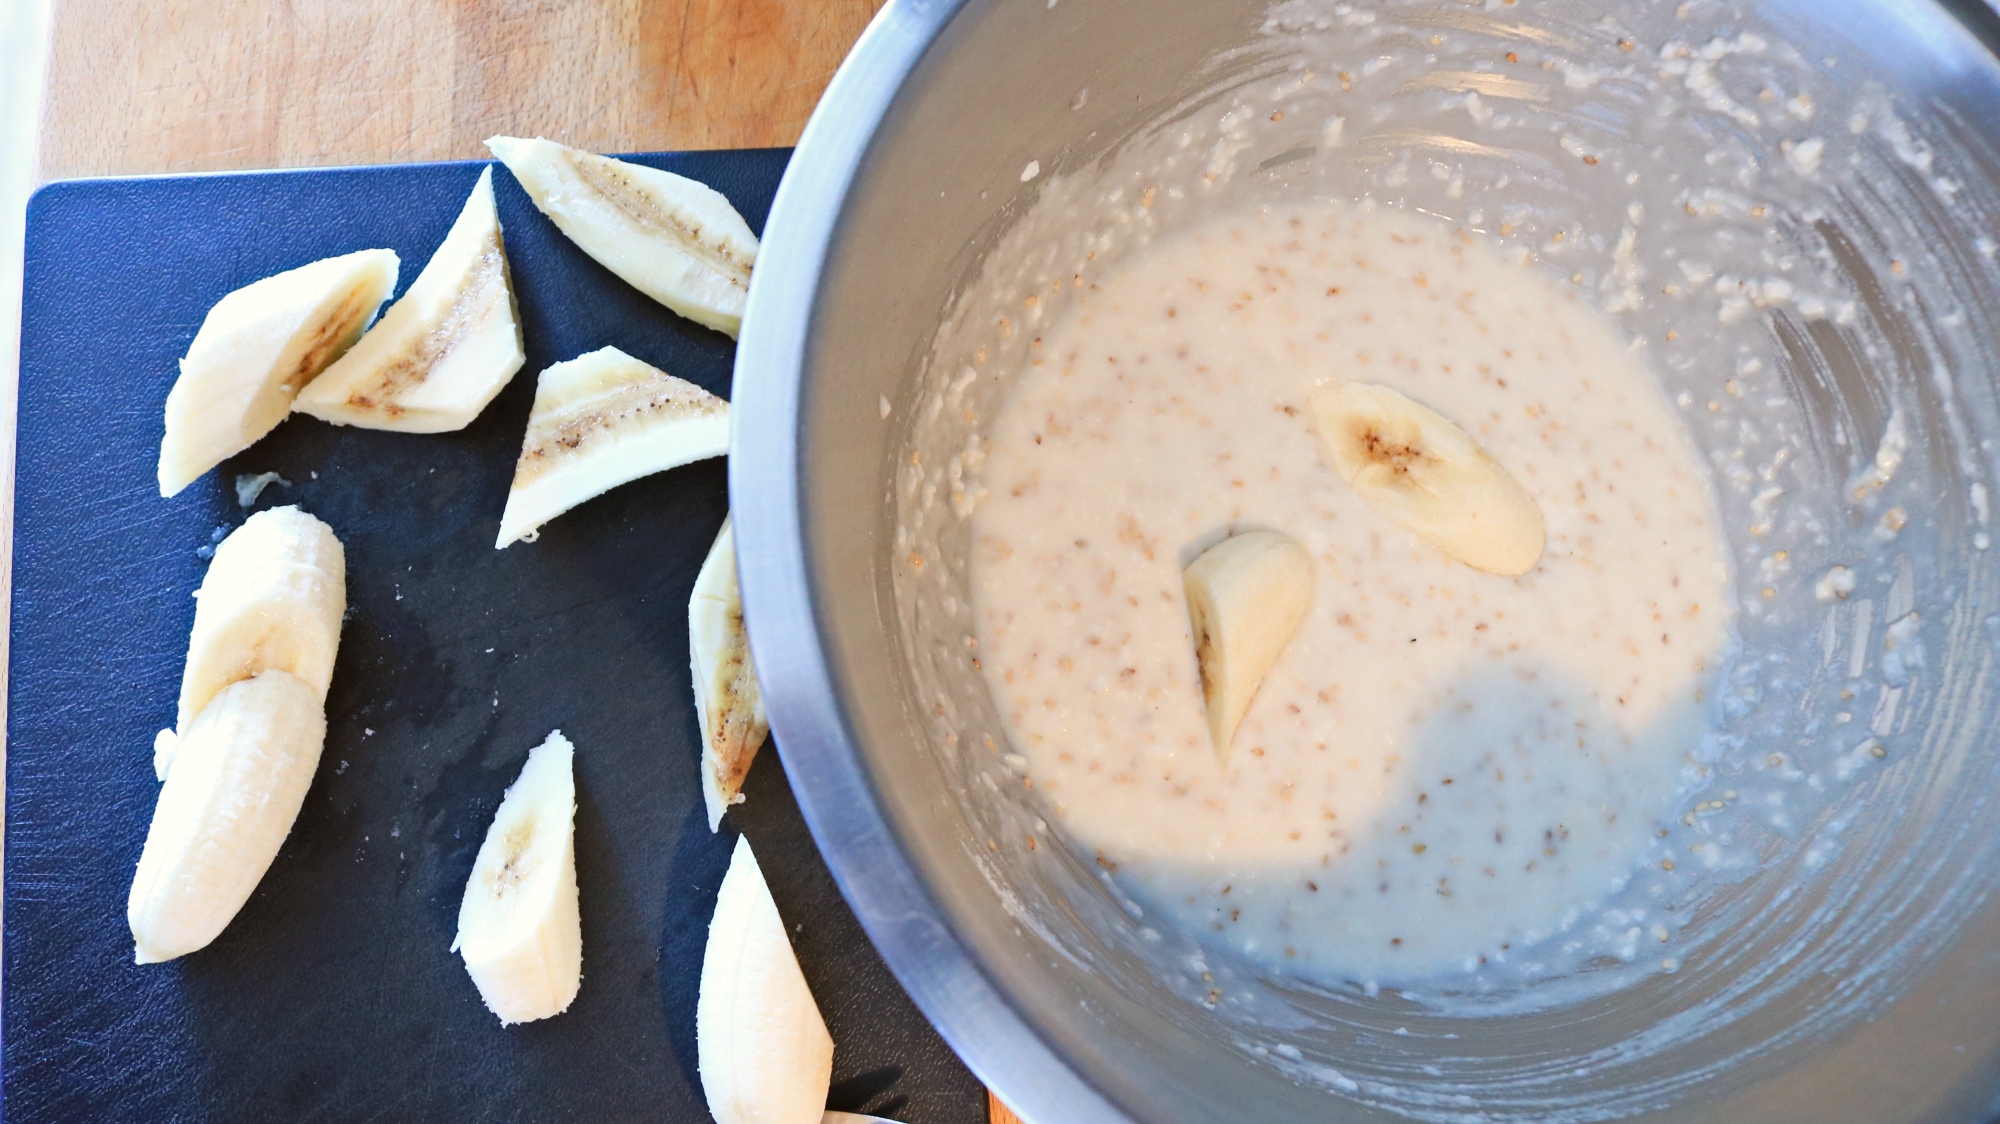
(728, 701)
(273, 597)
(761, 1047)
(1424, 474)
(518, 926)
(442, 352)
(239, 776)
(675, 240)
(256, 349)
(1246, 596)
(601, 420)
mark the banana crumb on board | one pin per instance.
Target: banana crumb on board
(249, 486)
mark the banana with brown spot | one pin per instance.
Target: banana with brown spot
(519, 929)
(257, 348)
(675, 240)
(728, 700)
(601, 420)
(443, 351)
(1246, 596)
(1426, 475)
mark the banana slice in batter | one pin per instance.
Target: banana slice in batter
(1424, 474)
(1246, 596)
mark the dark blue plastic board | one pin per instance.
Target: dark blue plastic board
(332, 996)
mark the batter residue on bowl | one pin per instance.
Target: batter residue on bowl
(1445, 765)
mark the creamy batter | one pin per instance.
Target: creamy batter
(1445, 765)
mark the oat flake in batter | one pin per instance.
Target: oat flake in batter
(1445, 764)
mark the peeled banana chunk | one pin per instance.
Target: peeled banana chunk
(728, 702)
(518, 926)
(256, 349)
(252, 721)
(240, 773)
(1246, 596)
(675, 240)
(601, 420)
(444, 350)
(273, 597)
(761, 1047)
(1416, 469)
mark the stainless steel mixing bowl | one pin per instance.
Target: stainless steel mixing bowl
(1856, 976)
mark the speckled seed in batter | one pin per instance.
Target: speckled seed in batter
(1445, 763)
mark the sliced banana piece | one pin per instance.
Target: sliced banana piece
(1246, 596)
(240, 773)
(728, 702)
(257, 348)
(762, 1048)
(440, 353)
(1424, 474)
(675, 240)
(518, 926)
(273, 597)
(601, 420)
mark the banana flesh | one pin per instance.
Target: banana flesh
(240, 773)
(444, 350)
(256, 349)
(518, 926)
(273, 597)
(728, 701)
(252, 721)
(762, 1049)
(601, 420)
(675, 240)
(1246, 596)
(1428, 476)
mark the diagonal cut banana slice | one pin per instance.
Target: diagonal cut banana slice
(1428, 476)
(727, 699)
(445, 349)
(761, 1047)
(240, 774)
(675, 240)
(1246, 596)
(601, 420)
(257, 348)
(518, 926)
(273, 597)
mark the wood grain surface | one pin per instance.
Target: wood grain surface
(998, 1112)
(143, 86)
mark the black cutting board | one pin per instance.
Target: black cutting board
(332, 996)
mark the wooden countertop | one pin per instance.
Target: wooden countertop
(140, 86)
